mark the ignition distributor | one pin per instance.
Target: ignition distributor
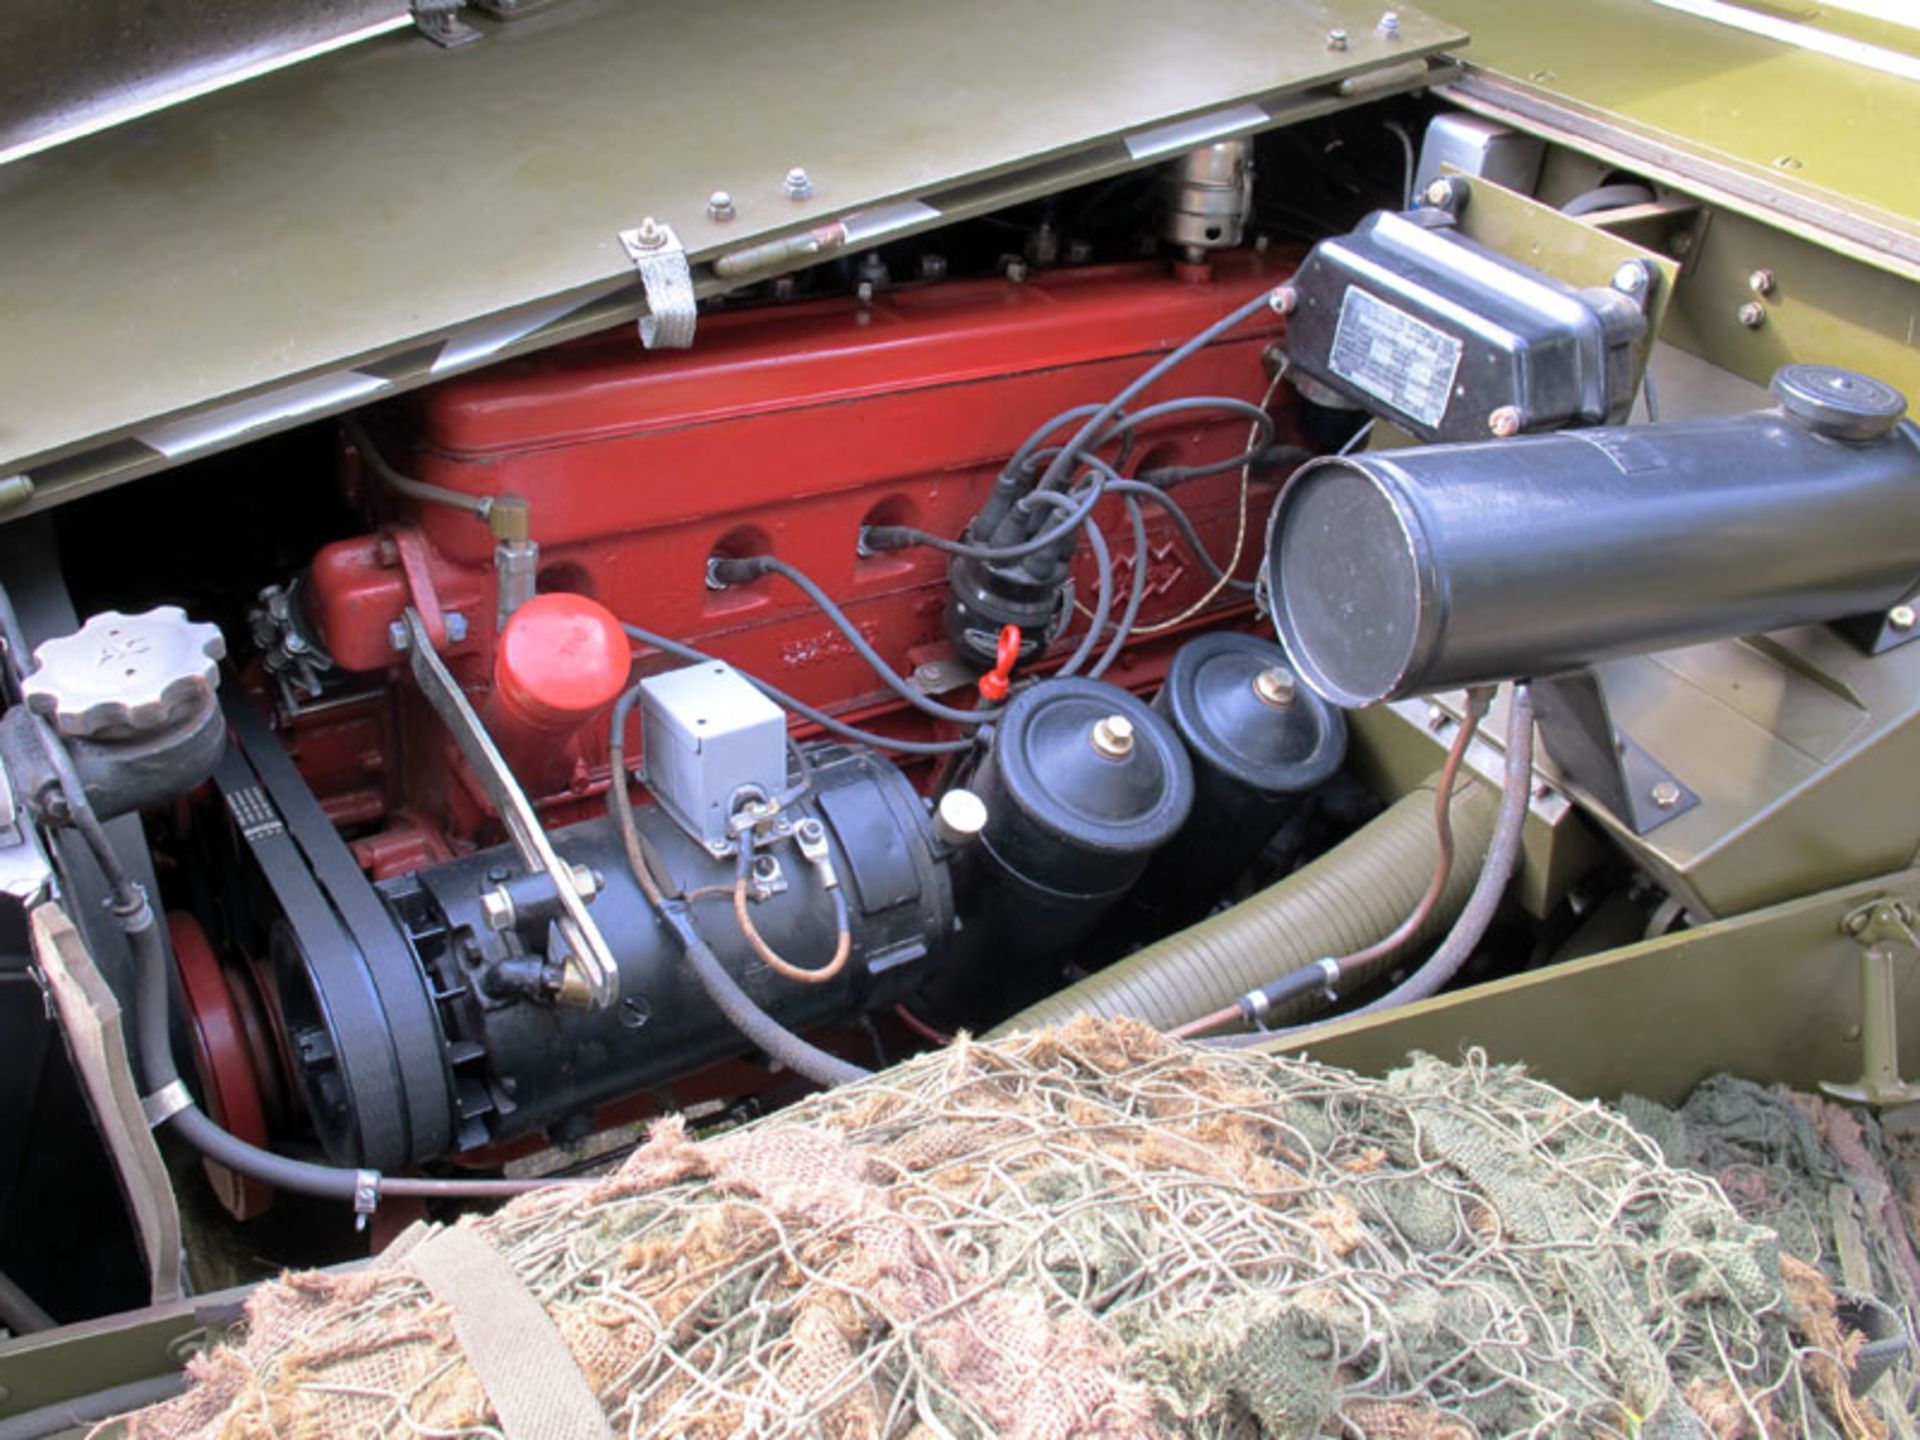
(1031, 590)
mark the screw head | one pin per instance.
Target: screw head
(1902, 618)
(1079, 252)
(720, 206)
(1389, 25)
(1441, 193)
(1752, 314)
(1504, 421)
(1284, 300)
(1336, 39)
(1666, 794)
(1275, 686)
(798, 185)
(650, 236)
(1016, 271)
(1113, 737)
(1761, 282)
(933, 267)
(1630, 277)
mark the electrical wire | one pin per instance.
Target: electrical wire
(1102, 601)
(751, 566)
(1223, 574)
(819, 717)
(1346, 966)
(1136, 592)
(779, 964)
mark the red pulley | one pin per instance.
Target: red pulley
(228, 1049)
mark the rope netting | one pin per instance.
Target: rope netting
(1095, 1231)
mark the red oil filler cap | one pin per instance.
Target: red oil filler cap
(560, 661)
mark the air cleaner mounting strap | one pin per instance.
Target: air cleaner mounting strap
(657, 254)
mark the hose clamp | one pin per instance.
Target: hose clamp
(1256, 1006)
(166, 1102)
(366, 1196)
(1329, 969)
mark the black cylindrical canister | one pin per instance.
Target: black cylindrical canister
(1083, 783)
(1258, 742)
(1414, 570)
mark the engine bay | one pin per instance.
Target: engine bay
(1219, 595)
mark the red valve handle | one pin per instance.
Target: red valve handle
(995, 684)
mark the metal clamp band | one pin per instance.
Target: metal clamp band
(166, 1102)
(366, 1196)
(657, 254)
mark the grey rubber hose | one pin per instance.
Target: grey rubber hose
(1349, 898)
(1503, 855)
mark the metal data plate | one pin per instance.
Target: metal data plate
(393, 212)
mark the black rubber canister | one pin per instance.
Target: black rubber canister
(1083, 783)
(1258, 741)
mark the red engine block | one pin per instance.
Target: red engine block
(784, 430)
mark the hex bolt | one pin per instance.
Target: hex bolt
(1902, 618)
(1752, 314)
(1275, 686)
(1666, 794)
(1441, 193)
(1336, 39)
(1389, 26)
(798, 185)
(1504, 421)
(1630, 277)
(720, 206)
(1761, 282)
(456, 627)
(1079, 252)
(397, 638)
(587, 881)
(1284, 300)
(650, 235)
(1113, 737)
(933, 267)
(1016, 271)
(1436, 717)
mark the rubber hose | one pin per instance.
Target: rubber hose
(1503, 855)
(1344, 901)
(768, 1034)
(194, 1126)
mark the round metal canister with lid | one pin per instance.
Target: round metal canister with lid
(1083, 784)
(1259, 742)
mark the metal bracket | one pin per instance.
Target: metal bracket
(588, 956)
(1876, 634)
(440, 22)
(166, 1102)
(1879, 927)
(1577, 729)
(657, 254)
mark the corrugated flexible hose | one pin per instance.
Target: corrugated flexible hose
(1341, 903)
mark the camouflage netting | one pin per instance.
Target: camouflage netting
(1098, 1232)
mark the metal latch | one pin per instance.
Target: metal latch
(657, 254)
(1879, 927)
